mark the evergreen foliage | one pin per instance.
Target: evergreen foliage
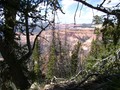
(75, 58)
(52, 63)
(59, 63)
(14, 22)
(97, 19)
(102, 59)
(63, 62)
(37, 63)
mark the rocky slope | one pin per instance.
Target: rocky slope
(71, 37)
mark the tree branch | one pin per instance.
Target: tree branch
(82, 82)
(39, 35)
(73, 78)
(76, 13)
(27, 55)
(102, 9)
(102, 3)
(86, 78)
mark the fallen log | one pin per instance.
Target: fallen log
(66, 84)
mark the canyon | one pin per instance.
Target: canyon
(70, 36)
(85, 36)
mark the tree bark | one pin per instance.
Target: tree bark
(99, 8)
(8, 44)
(18, 77)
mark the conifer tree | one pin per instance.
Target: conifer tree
(36, 60)
(97, 19)
(23, 17)
(63, 64)
(74, 58)
(52, 63)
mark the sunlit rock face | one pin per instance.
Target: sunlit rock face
(70, 37)
(67, 37)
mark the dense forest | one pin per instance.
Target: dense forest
(21, 68)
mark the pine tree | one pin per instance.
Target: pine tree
(63, 64)
(36, 60)
(52, 63)
(58, 59)
(97, 19)
(74, 58)
(23, 17)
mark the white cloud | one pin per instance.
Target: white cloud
(67, 3)
(87, 15)
(84, 16)
(110, 3)
(69, 7)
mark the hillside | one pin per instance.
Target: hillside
(85, 36)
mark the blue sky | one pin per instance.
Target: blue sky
(83, 16)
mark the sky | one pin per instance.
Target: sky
(84, 14)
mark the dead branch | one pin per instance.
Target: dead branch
(102, 3)
(76, 13)
(27, 55)
(102, 9)
(73, 78)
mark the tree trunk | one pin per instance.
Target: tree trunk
(18, 77)
(8, 44)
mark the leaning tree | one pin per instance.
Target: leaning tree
(22, 17)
